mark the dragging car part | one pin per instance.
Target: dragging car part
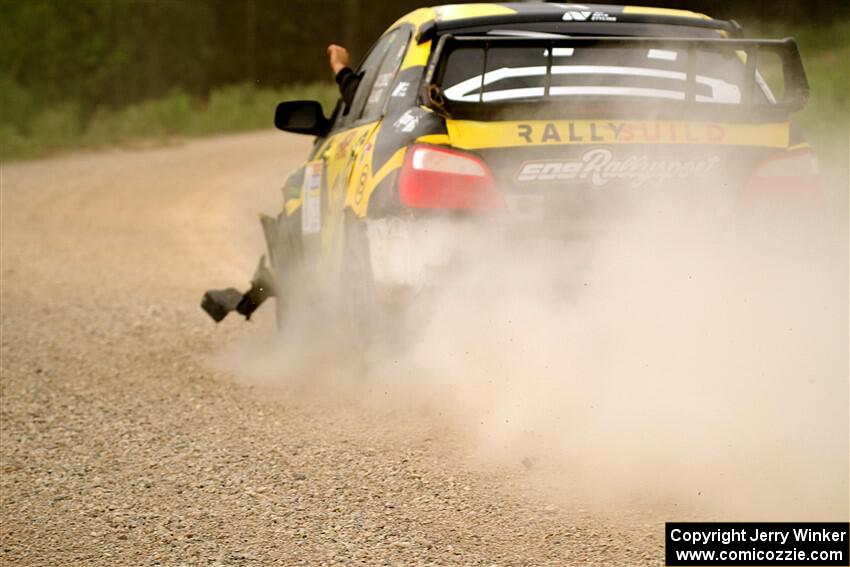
(284, 243)
(219, 302)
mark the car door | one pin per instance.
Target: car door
(345, 153)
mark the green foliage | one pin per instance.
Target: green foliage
(828, 69)
(243, 106)
(228, 109)
(114, 53)
(157, 119)
(96, 72)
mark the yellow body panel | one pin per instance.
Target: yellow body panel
(416, 18)
(417, 55)
(664, 12)
(365, 181)
(801, 146)
(436, 139)
(480, 135)
(463, 11)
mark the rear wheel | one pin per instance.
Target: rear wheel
(358, 306)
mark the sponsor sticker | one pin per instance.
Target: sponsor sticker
(383, 80)
(621, 132)
(599, 167)
(576, 15)
(401, 89)
(343, 146)
(376, 96)
(311, 212)
(470, 134)
(407, 122)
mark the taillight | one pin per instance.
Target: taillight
(789, 178)
(440, 178)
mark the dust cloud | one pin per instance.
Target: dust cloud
(695, 357)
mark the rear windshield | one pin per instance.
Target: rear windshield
(638, 73)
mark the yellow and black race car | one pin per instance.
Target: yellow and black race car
(538, 114)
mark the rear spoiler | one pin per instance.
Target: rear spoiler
(796, 85)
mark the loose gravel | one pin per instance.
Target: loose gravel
(122, 446)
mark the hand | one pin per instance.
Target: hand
(338, 57)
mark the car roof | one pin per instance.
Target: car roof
(453, 17)
(545, 9)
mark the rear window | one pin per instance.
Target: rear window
(506, 73)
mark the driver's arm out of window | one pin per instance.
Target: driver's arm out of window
(347, 81)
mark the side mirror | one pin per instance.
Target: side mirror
(302, 117)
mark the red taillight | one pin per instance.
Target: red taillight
(789, 178)
(440, 178)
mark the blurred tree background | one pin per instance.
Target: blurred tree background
(68, 66)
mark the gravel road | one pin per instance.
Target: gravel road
(123, 445)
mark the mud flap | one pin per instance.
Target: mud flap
(219, 302)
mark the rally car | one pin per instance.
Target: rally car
(543, 115)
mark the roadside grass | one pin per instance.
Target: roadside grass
(27, 131)
(228, 109)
